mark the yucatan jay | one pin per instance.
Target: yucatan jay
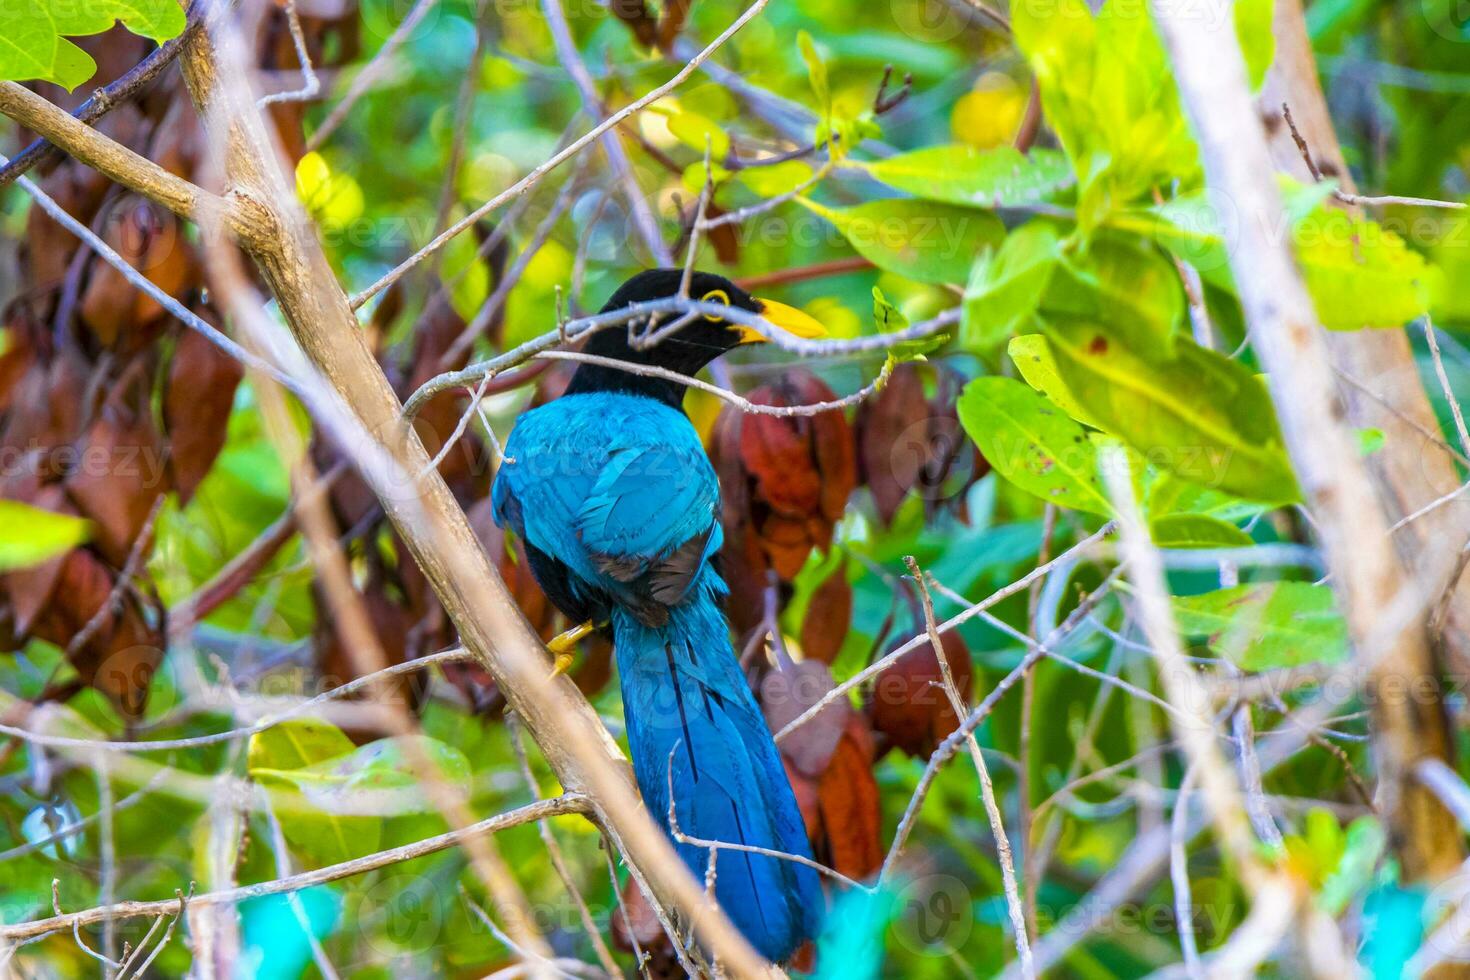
(618, 507)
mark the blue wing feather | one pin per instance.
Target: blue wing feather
(618, 490)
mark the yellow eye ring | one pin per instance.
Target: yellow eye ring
(715, 296)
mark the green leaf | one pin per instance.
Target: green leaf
(1171, 494)
(1033, 444)
(1364, 845)
(1006, 284)
(1257, 39)
(33, 536)
(1200, 414)
(1196, 531)
(338, 796)
(919, 240)
(889, 319)
(1110, 97)
(33, 34)
(292, 747)
(1451, 255)
(1125, 283)
(959, 174)
(1267, 625)
(695, 131)
(295, 744)
(1033, 358)
(777, 179)
(1358, 273)
(816, 71)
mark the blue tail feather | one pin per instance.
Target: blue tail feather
(691, 717)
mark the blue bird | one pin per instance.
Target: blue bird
(618, 507)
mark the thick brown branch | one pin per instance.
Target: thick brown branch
(42, 151)
(421, 508)
(121, 164)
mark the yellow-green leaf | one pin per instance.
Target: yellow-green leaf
(1033, 358)
(696, 131)
(1006, 284)
(1033, 444)
(1199, 414)
(959, 174)
(1196, 531)
(920, 240)
(33, 536)
(33, 34)
(1267, 625)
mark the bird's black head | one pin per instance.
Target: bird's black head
(686, 350)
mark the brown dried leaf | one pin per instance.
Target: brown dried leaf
(907, 702)
(785, 695)
(196, 408)
(635, 926)
(120, 472)
(893, 439)
(828, 616)
(778, 455)
(851, 809)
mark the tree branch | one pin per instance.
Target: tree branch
(422, 509)
(116, 161)
(41, 151)
(540, 810)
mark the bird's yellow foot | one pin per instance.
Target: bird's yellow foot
(563, 647)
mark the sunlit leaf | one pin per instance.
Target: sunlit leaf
(32, 535)
(776, 179)
(1200, 414)
(1359, 273)
(1125, 283)
(334, 199)
(1257, 39)
(917, 239)
(696, 132)
(1110, 97)
(1033, 358)
(1196, 531)
(1006, 284)
(957, 174)
(292, 747)
(1033, 444)
(1268, 625)
(33, 34)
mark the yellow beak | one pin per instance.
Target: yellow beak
(788, 318)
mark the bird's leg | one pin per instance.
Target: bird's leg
(562, 645)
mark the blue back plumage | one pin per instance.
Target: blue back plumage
(619, 508)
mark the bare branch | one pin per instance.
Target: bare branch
(116, 161)
(557, 159)
(566, 803)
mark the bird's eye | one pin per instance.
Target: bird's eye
(715, 296)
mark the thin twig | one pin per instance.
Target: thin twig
(311, 86)
(557, 159)
(987, 790)
(566, 803)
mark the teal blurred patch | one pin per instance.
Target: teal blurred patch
(1393, 928)
(275, 945)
